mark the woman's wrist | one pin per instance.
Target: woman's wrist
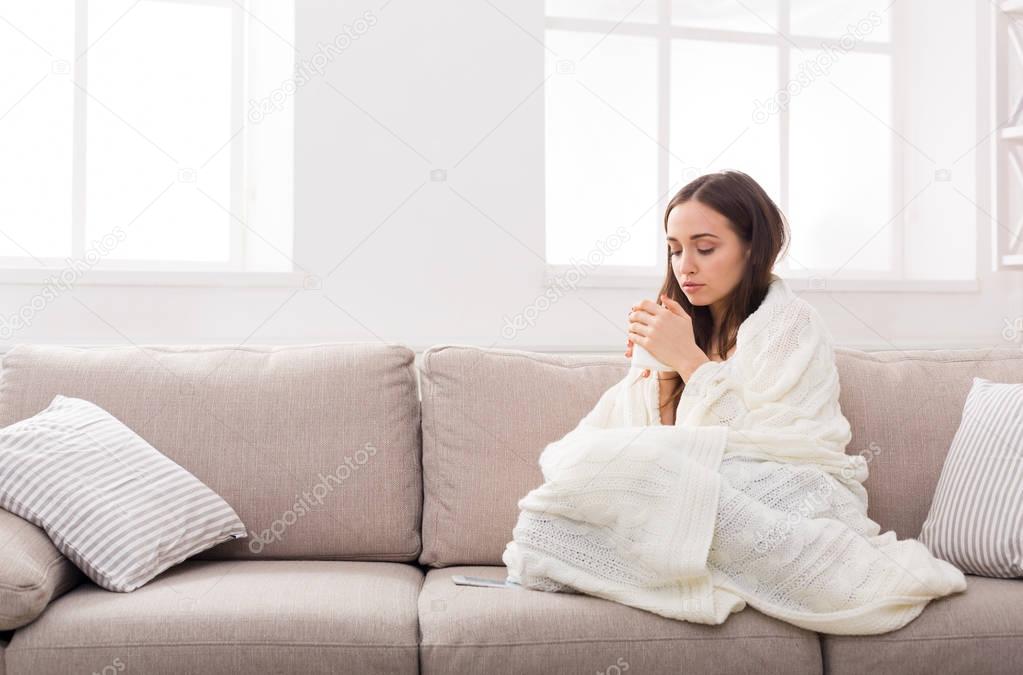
(687, 369)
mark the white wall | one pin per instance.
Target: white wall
(456, 86)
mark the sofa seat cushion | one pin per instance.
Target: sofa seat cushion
(269, 616)
(494, 630)
(32, 571)
(977, 631)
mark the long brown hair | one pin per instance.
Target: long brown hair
(758, 221)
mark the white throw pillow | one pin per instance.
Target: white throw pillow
(976, 517)
(114, 505)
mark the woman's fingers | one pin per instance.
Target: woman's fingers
(639, 329)
(641, 316)
(672, 305)
(638, 335)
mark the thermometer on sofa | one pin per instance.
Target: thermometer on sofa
(463, 580)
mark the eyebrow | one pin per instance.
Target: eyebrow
(695, 237)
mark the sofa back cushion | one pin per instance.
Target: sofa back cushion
(488, 413)
(904, 408)
(316, 447)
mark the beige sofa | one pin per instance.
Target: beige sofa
(363, 497)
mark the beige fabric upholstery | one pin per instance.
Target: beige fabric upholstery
(489, 630)
(234, 617)
(32, 571)
(904, 408)
(258, 424)
(316, 447)
(978, 631)
(487, 414)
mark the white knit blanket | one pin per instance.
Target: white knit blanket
(748, 498)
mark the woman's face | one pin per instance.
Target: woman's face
(705, 250)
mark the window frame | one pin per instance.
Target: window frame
(139, 271)
(638, 276)
(1007, 161)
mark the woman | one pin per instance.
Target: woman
(730, 485)
(724, 234)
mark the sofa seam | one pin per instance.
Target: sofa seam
(166, 348)
(710, 638)
(199, 643)
(994, 636)
(867, 356)
(609, 361)
(437, 467)
(806, 638)
(417, 456)
(369, 557)
(512, 354)
(43, 579)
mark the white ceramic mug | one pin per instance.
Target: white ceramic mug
(641, 358)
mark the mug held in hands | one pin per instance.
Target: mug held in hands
(641, 358)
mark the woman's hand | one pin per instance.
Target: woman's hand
(666, 331)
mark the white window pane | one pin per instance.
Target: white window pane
(1013, 112)
(610, 10)
(851, 20)
(601, 148)
(713, 87)
(160, 85)
(757, 16)
(841, 161)
(36, 95)
(1014, 186)
(1009, 221)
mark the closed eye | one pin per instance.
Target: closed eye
(705, 251)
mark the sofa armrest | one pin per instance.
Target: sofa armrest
(33, 572)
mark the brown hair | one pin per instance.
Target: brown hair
(758, 221)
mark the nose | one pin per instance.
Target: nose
(686, 263)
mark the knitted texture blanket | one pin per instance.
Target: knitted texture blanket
(749, 498)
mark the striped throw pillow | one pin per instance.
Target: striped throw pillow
(976, 517)
(114, 505)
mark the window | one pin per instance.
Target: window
(643, 97)
(134, 135)
(1007, 223)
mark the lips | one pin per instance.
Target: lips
(692, 286)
